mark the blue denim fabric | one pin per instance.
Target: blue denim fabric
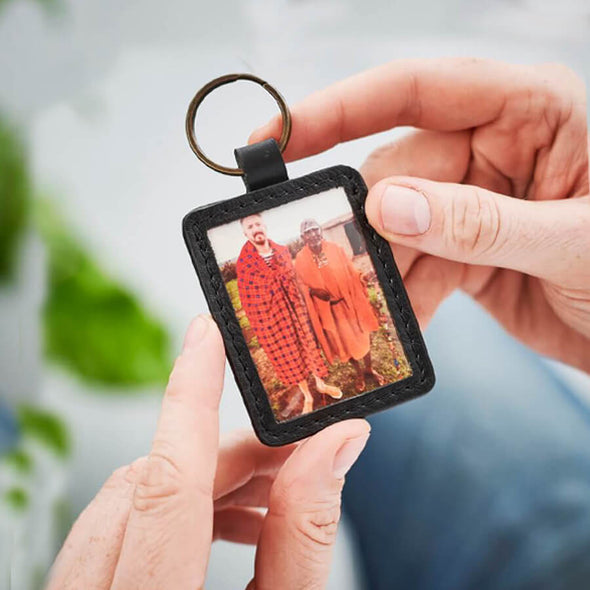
(483, 483)
(9, 431)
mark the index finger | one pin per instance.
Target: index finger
(169, 530)
(439, 94)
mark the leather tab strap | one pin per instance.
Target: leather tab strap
(262, 164)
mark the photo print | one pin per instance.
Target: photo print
(306, 296)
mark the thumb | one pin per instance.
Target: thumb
(547, 239)
(298, 534)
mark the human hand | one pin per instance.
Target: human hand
(320, 294)
(152, 524)
(489, 131)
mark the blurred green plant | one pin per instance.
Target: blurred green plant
(93, 325)
(49, 5)
(15, 196)
(45, 428)
(19, 460)
(17, 499)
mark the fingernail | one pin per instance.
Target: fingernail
(196, 331)
(404, 211)
(347, 455)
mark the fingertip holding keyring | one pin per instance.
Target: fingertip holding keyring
(210, 87)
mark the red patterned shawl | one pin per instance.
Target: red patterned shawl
(275, 309)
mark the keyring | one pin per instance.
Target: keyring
(207, 89)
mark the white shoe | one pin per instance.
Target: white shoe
(331, 390)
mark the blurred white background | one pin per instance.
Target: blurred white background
(100, 90)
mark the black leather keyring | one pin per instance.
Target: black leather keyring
(315, 319)
(262, 164)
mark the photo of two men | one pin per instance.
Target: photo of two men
(305, 293)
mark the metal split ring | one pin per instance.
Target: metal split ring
(207, 89)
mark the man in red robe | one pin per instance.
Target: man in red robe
(277, 314)
(341, 313)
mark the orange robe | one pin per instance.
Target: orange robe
(344, 324)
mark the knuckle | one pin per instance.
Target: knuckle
(412, 111)
(562, 87)
(159, 483)
(122, 481)
(317, 526)
(475, 224)
(116, 479)
(379, 155)
(543, 97)
(314, 521)
(562, 72)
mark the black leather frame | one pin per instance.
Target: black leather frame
(269, 430)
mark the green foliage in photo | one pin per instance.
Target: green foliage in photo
(234, 295)
(374, 298)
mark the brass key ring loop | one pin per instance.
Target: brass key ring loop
(207, 89)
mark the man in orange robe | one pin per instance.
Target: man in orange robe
(341, 314)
